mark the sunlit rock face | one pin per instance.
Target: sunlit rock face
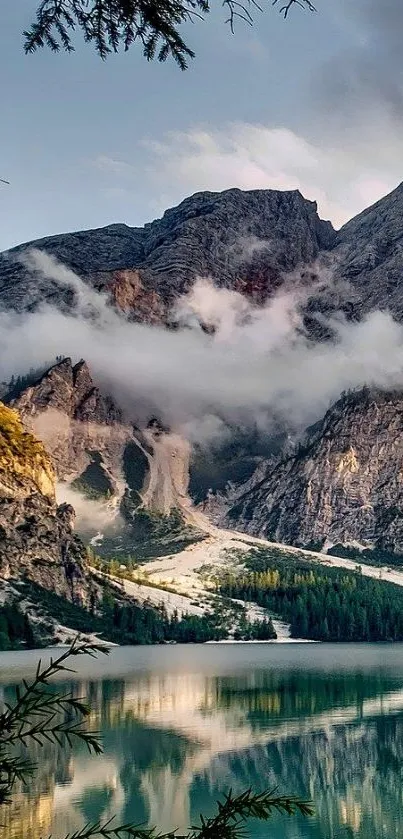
(37, 539)
(343, 483)
(126, 483)
(82, 429)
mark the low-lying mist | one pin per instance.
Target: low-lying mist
(92, 514)
(256, 361)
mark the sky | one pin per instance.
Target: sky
(314, 103)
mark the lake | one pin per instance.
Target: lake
(183, 724)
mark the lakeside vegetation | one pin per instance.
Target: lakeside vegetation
(15, 628)
(122, 621)
(146, 534)
(321, 603)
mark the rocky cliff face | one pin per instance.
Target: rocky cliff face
(37, 540)
(343, 483)
(92, 447)
(135, 475)
(244, 240)
(82, 429)
(369, 256)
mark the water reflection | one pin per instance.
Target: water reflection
(174, 741)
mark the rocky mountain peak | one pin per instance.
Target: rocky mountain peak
(383, 211)
(339, 483)
(70, 389)
(245, 240)
(368, 254)
(81, 427)
(231, 235)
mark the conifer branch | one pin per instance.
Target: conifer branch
(303, 4)
(36, 717)
(112, 24)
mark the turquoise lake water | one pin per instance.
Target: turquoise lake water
(183, 724)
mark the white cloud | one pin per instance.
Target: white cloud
(343, 179)
(257, 363)
(91, 515)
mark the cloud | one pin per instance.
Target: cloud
(258, 363)
(87, 302)
(345, 153)
(247, 247)
(354, 106)
(91, 515)
(342, 179)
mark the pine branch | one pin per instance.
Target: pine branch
(234, 811)
(107, 830)
(110, 24)
(35, 701)
(241, 11)
(36, 717)
(12, 769)
(303, 4)
(228, 823)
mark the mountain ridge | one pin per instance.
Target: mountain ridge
(247, 242)
(207, 234)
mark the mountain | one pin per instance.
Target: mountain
(342, 484)
(37, 539)
(48, 590)
(368, 252)
(82, 429)
(139, 477)
(243, 240)
(44, 570)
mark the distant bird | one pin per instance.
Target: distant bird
(2, 181)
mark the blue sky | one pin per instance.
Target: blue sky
(300, 103)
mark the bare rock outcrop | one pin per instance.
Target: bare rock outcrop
(243, 240)
(344, 483)
(37, 539)
(82, 429)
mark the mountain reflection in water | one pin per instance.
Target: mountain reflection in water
(182, 725)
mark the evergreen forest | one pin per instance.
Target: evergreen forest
(321, 603)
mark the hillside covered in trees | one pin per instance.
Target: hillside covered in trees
(120, 621)
(321, 603)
